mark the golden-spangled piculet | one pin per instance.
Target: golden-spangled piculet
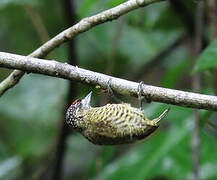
(111, 124)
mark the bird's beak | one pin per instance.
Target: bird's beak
(86, 100)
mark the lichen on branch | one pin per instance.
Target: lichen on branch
(121, 86)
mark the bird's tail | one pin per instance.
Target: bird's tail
(161, 116)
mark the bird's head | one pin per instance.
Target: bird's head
(77, 110)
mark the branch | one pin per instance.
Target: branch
(121, 86)
(68, 34)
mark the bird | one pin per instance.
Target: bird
(111, 124)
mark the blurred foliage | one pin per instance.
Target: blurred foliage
(32, 112)
(208, 58)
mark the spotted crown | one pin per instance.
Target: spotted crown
(71, 117)
(76, 112)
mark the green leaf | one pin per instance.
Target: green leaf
(113, 3)
(208, 58)
(108, 153)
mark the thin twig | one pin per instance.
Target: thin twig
(38, 25)
(37, 22)
(213, 125)
(121, 86)
(68, 34)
